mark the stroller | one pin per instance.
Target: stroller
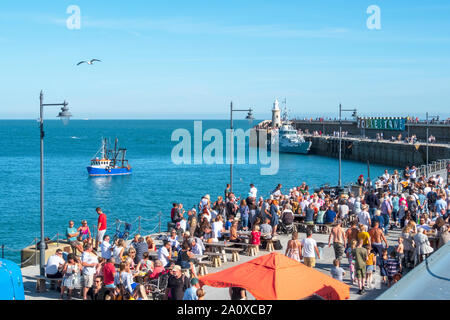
(122, 235)
(287, 228)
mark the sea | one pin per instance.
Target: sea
(148, 193)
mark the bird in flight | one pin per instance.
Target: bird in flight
(88, 62)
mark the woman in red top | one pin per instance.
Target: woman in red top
(256, 236)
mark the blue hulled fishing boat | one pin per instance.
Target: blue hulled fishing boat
(111, 162)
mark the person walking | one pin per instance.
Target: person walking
(337, 235)
(294, 248)
(360, 256)
(310, 250)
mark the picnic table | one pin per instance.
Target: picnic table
(219, 247)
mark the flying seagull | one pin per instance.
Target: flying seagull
(88, 62)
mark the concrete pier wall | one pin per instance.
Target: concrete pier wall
(440, 131)
(382, 152)
(397, 154)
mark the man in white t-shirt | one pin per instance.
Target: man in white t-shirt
(253, 191)
(309, 250)
(54, 265)
(364, 216)
(165, 253)
(89, 262)
(105, 247)
(217, 228)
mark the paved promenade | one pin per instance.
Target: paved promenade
(322, 265)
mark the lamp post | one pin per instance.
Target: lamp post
(340, 140)
(249, 117)
(432, 117)
(64, 115)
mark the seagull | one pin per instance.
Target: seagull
(88, 62)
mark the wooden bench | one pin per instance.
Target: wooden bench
(252, 249)
(216, 258)
(41, 282)
(269, 245)
(202, 270)
(234, 253)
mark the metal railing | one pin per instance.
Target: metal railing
(433, 167)
(144, 226)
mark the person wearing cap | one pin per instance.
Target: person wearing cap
(191, 292)
(177, 284)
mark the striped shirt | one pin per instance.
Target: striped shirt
(391, 267)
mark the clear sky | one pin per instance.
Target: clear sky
(189, 59)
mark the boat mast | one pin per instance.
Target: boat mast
(115, 151)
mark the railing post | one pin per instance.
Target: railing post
(35, 252)
(3, 251)
(57, 239)
(139, 224)
(160, 213)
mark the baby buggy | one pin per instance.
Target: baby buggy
(122, 234)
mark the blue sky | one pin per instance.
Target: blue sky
(189, 59)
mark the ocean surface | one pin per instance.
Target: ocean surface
(156, 182)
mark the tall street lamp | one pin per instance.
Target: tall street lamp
(64, 115)
(432, 117)
(340, 140)
(249, 117)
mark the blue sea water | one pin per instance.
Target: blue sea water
(156, 182)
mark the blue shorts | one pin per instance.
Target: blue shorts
(369, 269)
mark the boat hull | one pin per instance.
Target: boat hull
(302, 148)
(96, 172)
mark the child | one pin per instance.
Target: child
(383, 266)
(370, 267)
(392, 268)
(256, 236)
(336, 271)
(400, 253)
(351, 261)
(229, 222)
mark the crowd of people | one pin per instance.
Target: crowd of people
(359, 223)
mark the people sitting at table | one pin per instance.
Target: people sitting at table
(217, 228)
(150, 243)
(145, 265)
(184, 258)
(165, 253)
(54, 266)
(173, 239)
(141, 247)
(255, 237)
(125, 277)
(233, 232)
(196, 246)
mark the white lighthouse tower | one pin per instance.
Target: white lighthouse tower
(276, 120)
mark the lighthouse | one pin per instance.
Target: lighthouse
(276, 120)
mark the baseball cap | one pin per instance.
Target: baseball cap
(194, 281)
(176, 268)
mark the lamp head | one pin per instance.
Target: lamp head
(249, 116)
(64, 114)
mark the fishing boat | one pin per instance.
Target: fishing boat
(111, 162)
